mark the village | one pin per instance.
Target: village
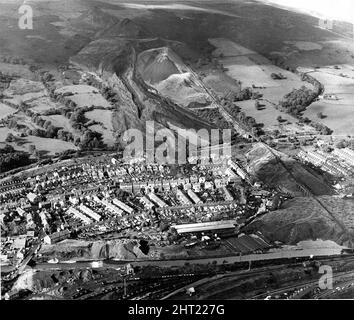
(106, 198)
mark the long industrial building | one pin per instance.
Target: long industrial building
(240, 171)
(182, 197)
(79, 215)
(345, 154)
(112, 207)
(205, 226)
(123, 206)
(228, 195)
(95, 216)
(194, 197)
(157, 200)
(146, 202)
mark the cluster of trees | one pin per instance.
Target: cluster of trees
(298, 100)
(87, 139)
(245, 94)
(214, 116)
(321, 128)
(13, 60)
(345, 144)
(258, 105)
(280, 62)
(277, 76)
(249, 123)
(11, 159)
(318, 86)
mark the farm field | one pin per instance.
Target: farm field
(44, 145)
(61, 122)
(103, 116)
(23, 90)
(106, 127)
(253, 69)
(43, 104)
(338, 113)
(220, 82)
(24, 120)
(338, 117)
(84, 95)
(305, 45)
(6, 110)
(268, 115)
(107, 136)
(17, 70)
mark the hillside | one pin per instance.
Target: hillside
(164, 70)
(94, 19)
(125, 28)
(302, 219)
(269, 168)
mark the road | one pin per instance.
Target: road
(284, 254)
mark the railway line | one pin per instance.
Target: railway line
(265, 270)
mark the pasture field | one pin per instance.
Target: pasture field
(103, 116)
(5, 111)
(337, 117)
(107, 135)
(22, 86)
(50, 146)
(17, 70)
(61, 122)
(252, 69)
(305, 45)
(43, 104)
(106, 126)
(22, 119)
(338, 113)
(26, 98)
(84, 95)
(45, 145)
(267, 115)
(23, 90)
(220, 82)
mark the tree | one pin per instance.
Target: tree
(257, 105)
(320, 115)
(46, 124)
(341, 144)
(32, 149)
(279, 119)
(10, 138)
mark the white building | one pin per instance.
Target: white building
(228, 195)
(240, 172)
(112, 207)
(95, 216)
(79, 215)
(157, 200)
(43, 218)
(182, 197)
(123, 206)
(146, 202)
(194, 196)
(345, 154)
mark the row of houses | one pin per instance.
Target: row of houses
(324, 162)
(345, 154)
(168, 185)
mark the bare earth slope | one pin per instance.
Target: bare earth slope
(270, 169)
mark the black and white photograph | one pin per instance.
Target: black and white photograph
(174, 155)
